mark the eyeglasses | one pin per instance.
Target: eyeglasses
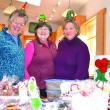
(17, 23)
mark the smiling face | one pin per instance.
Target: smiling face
(70, 30)
(16, 25)
(43, 33)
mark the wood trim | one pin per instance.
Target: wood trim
(26, 37)
(80, 19)
(59, 33)
(100, 32)
(53, 37)
(29, 37)
(90, 20)
(22, 40)
(1, 26)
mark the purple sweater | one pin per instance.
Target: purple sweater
(72, 60)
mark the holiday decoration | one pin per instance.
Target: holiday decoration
(70, 15)
(32, 25)
(24, 95)
(34, 94)
(24, 6)
(42, 18)
(102, 69)
(82, 93)
(84, 87)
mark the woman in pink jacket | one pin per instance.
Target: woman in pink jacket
(39, 57)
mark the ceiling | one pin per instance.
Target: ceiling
(46, 7)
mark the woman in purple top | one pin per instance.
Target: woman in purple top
(72, 60)
(39, 57)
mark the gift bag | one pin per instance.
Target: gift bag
(98, 100)
(85, 95)
(109, 102)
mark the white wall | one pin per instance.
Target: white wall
(3, 18)
(94, 6)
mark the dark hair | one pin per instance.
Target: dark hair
(41, 25)
(74, 23)
(19, 13)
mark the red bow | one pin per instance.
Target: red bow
(24, 5)
(102, 64)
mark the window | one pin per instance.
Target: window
(88, 35)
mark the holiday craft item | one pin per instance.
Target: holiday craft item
(42, 18)
(102, 71)
(33, 92)
(70, 15)
(84, 87)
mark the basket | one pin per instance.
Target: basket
(53, 84)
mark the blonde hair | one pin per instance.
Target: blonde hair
(74, 23)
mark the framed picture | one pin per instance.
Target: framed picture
(32, 26)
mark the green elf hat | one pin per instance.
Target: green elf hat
(70, 15)
(42, 18)
(70, 18)
(24, 6)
